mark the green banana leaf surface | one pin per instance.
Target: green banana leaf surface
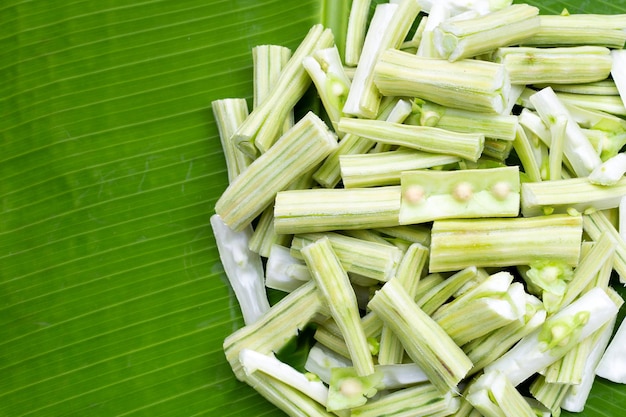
(113, 301)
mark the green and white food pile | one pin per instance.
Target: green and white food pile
(448, 223)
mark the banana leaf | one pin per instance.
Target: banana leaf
(112, 297)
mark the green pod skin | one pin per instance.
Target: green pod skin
(304, 146)
(459, 243)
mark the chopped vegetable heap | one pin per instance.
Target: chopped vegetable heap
(444, 234)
